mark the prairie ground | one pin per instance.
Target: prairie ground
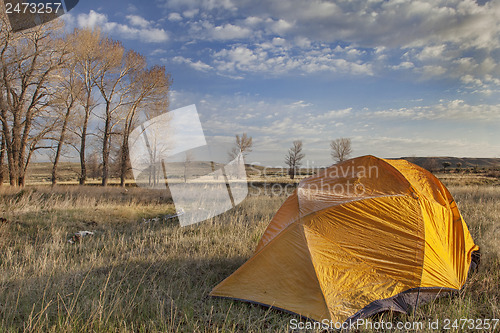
(138, 274)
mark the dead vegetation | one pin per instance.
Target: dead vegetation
(132, 276)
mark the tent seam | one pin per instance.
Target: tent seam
(315, 271)
(413, 191)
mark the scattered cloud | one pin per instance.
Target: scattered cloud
(300, 104)
(230, 31)
(436, 40)
(198, 65)
(457, 39)
(277, 58)
(158, 52)
(455, 110)
(174, 17)
(138, 21)
(139, 28)
(274, 124)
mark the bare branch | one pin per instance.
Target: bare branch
(341, 149)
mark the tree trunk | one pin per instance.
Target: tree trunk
(124, 158)
(60, 143)
(10, 154)
(105, 147)
(124, 151)
(24, 170)
(2, 158)
(14, 165)
(23, 162)
(83, 166)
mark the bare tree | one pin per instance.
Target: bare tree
(88, 50)
(68, 92)
(341, 149)
(28, 62)
(49, 91)
(116, 67)
(148, 89)
(243, 144)
(294, 157)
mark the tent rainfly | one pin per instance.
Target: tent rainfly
(362, 236)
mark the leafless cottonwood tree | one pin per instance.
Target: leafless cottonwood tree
(69, 89)
(89, 49)
(148, 89)
(28, 62)
(127, 83)
(341, 149)
(116, 66)
(294, 158)
(51, 86)
(243, 144)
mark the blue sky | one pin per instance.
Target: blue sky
(399, 77)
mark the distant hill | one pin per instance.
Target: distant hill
(467, 162)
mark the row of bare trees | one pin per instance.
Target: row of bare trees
(341, 149)
(59, 91)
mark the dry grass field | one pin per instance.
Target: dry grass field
(141, 275)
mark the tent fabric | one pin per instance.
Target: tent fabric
(360, 237)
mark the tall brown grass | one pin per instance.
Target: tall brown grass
(154, 276)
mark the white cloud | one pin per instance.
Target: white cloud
(404, 65)
(300, 104)
(450, 110)
(131, 8)
(198, 65)
(92, 20)
(332, 114)
(281, 26)
(230, 31)
(431, 71)
(275, 123)
(253, 20)
(400, 146)
(386, 23)
(143, 33)
(174, 17)
(158, 52)
(191, 13)
(431, 52)
(276, 60)
(432, 38)
(138, 21)
(206, 5)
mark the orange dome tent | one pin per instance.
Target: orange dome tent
(362, 236)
